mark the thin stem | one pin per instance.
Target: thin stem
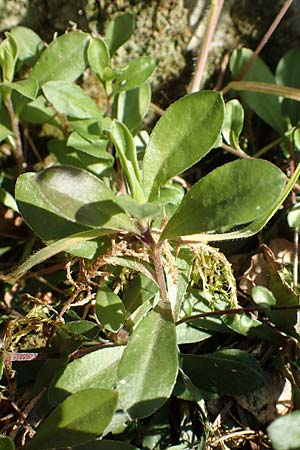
(216, 7)
(265, 38)
(235, 151)
(17, 136)
(160, 276)
(157, 109)
(296, 229)
(159, 271)
(230, 312)
(268, 147)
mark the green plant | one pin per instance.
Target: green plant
(113, 203)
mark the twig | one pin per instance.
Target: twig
(216, 7)
(265, 38)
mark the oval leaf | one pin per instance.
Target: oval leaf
(29, 43)
(97, 370)
(288, 74)
(225, 372)
(78, 419)
(148, 369)
(284, 432)
(70, 100)
(231, 195)
(81, 197)
(98, 56)
(267, 107)
(119, 31)
(133, 105)
(110, 309)
(233, 122)
(135, 74)
(262, 296)
(184, 134)
(64, 59)
(43, 219)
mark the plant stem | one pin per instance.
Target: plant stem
(230, 312)
(215, 10)
(265, 38)
(17, 136)
(235, 151)
(268, 147)
(159, 271)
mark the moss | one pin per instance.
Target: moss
(162, 31)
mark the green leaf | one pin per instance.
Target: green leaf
(81, 197)
(139, 210)
(233, 194)
(233, 122)
(267, 107)
(29, 44)
(4, 132)
(133, 105)
(38, 112)
(288, 74)
(96, 148)
(98, 56)
(6, 443)
(70, 100)
(284, 432)
(38, 213)
(183, 135)
(148, 368)
(188, 334)
(79, 419)
(224, 372)
(110, 309)
(263, 296)
(85, 328)
(138, 291)
(8, 57)
(255, 226)
(8, 200)
(96, 370)
(69, 156)
(119, 31)
(73, 242)
(125, 148)
(29, 88)
(64, 59)
(293, 217)
(135, 74)
(105, 444)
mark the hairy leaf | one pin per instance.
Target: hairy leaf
(119, 31)
(79, 419)
(231, 195)
(149, 365)
(64, 59)
(184, 134)
(97, 370)
(110, 309)
(81, 197)
(224, 372)
(70, 100)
